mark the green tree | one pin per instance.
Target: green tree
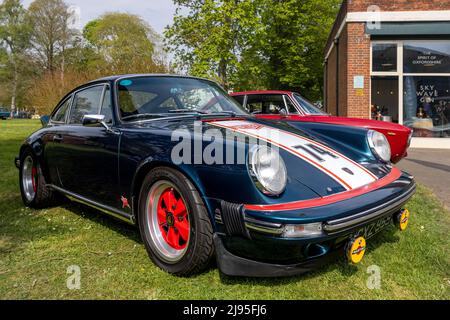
(292, 43)
(208, 40)
(122, 43)
(253, 44)
(14, 38)
(51, 32)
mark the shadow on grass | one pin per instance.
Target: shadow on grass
(120, 227)
(105, 220)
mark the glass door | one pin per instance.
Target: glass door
(384, 97)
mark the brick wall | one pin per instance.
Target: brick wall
(354, 55)
(358, 55)
(398, 5)
(385, 5)
(343, 73)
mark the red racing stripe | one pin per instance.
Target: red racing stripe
(391, 177)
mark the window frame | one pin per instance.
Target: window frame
(399, 73)
(104, 84)
(69, 99)
(102, 98)
(399, 59)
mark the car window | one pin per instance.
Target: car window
(239, 99)
(307, 106)
(202, 98)
(60, 114)
(106, 106)
(153, 97)
(85, 102)
(254, 107)
(132, 101)
(266, 104)
(169, 104)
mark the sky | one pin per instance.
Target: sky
(157, 13)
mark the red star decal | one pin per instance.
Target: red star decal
(125, 203)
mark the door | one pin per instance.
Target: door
(384, 99)
(52, 141)
(90, 166)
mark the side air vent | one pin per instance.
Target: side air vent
(233, 219)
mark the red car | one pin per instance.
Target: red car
(276, 104)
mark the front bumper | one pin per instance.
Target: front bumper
(252, 243)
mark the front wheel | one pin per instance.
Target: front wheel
(174, 223)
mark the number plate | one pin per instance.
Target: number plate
(373, 228)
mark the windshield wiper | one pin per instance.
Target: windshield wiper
(187, 111)
(212, 114)
(226, 112)
(142, 115)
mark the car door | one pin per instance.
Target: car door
(90, 166)
(51, 139)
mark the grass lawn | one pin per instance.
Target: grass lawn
(37, 247)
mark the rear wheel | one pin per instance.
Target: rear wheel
(174, 223)
(35, 193)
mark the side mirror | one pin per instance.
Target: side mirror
(44, 120)
(93, 120)
(96, 120)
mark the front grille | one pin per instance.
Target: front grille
(233, 219)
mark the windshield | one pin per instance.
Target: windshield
(307, 106)
(156, 96)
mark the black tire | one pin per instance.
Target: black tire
(43, 196)
(200, 248)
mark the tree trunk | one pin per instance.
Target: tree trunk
(63, 67)
(14, 85)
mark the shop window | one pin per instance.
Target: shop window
(384, 98)
(426, 105)
(384, 57)
(426, 57)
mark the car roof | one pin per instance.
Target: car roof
(116, 77)
(260, 92)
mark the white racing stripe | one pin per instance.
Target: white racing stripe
(345, 171)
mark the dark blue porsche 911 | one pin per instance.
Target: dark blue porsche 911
(202, 178)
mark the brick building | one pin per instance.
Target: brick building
(390, 60)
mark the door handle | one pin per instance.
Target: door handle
(57, 138)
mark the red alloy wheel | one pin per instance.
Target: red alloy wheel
(173, 219)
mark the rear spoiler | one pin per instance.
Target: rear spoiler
(45, 120)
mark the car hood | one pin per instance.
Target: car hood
(313, 163)
(362, 123)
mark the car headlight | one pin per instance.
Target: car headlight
(268, 170)
(379, 145)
